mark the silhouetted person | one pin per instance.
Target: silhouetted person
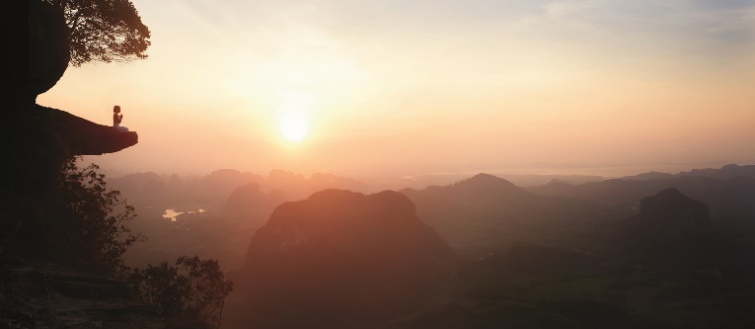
(117, 118)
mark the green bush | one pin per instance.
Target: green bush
(86, 227)
(193, 289)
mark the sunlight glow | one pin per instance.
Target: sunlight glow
(293, 118)
(294, 127)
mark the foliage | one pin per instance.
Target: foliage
(86, 229)
(104, 30)
(194, 289)
(161, 286)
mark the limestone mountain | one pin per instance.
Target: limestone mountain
(672, 208)
(670, 229)
(341, 259)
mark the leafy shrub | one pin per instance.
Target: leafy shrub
(87, 224)
(193, 289)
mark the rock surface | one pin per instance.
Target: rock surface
(39, 141)
(65, 135)
(48, 49)
(41, 294)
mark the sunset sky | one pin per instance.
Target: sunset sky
(426, 86)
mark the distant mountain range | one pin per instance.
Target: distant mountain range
(248, 202)
(425, 180)
(216, 187)
(729, 191)
(726, 172)
(668, 266)
(485, 213)
(665, 252)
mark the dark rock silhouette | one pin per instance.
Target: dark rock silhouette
(671, 207)
(41, 139)
(74, 135)
(48, 49)
(671, 229)
(36, 142)
(340, 259)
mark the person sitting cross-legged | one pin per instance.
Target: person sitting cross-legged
(117, 118)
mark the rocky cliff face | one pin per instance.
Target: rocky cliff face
(36, 142)
(341, 259)
(48, 50)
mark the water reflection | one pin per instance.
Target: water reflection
(172, 214)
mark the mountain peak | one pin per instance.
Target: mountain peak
(671, 206)
(483, 179)
(483, 175)
(335, 194)
(671, 194)
(365, 247)
(486, 186)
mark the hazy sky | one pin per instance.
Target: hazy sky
(429, 86)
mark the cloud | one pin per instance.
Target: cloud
(723, 4)
(706, 30)
(403, 33)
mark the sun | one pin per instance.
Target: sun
(293, 127)
(293, 115)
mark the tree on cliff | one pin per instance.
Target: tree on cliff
(103, 30)
(89, 228)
